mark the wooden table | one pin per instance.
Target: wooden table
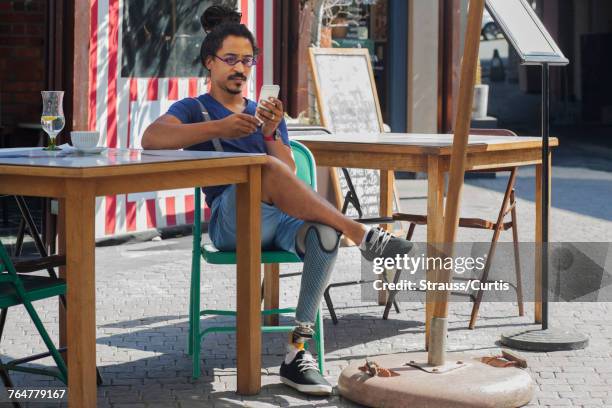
(77, 180)
(430, 153)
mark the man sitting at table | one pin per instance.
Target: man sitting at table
(294, 218)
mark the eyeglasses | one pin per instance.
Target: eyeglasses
(232, 60)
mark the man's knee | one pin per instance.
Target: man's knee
(271, 171)
(272, 166)
(328, 238)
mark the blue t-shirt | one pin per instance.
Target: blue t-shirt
(188, 110)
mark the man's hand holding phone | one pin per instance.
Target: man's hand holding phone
(271, 113)
(237, 125)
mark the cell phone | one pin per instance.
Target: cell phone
(266, 92)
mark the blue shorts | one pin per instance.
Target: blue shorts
(278, 230)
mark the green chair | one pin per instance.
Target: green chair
(306, 171)
(17, 289)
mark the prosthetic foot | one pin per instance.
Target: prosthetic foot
(299, 370)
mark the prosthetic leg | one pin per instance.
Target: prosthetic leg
(318, 245)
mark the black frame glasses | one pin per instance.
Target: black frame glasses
(232, 60)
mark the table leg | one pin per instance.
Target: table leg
(539, 238)
(271, 292)
(61, 249)
(387, 182)
(248, 297)
(80, 297)
(435, 224)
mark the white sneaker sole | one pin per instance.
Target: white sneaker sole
(318, 390)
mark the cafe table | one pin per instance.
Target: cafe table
(430, 154)
(76, 180)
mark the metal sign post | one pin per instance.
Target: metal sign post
(534, 45)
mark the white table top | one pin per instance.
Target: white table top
(70, 158)
(411, 139)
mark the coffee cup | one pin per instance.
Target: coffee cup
(84, 139)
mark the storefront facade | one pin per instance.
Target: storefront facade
(143, 56)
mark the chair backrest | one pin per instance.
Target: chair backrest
(8, 274)
(307, 130)
(492, 132)
(304, 163)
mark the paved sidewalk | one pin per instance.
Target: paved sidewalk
(142, 304)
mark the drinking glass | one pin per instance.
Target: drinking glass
(52, 118)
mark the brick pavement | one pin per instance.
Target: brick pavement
(142, 304)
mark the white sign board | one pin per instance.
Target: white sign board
(348, 103)
(525, 31)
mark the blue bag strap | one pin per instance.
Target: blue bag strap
(206, 118)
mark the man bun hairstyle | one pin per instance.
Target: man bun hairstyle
(215, 15)
(218, 23)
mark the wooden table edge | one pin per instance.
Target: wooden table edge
(128, 169)
(419, 149)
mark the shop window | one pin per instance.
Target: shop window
(360, 24)
(162, 38)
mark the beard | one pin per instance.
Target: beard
(237, 89)
(233, 91)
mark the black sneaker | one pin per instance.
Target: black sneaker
(303, 375)
(381, 244)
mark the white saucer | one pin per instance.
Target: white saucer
(91, 150)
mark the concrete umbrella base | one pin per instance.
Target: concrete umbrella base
(473, 385)
(545, 340)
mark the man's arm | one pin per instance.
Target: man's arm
(168, 132)
(272, 115)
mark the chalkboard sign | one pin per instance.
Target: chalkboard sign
(348, 103)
